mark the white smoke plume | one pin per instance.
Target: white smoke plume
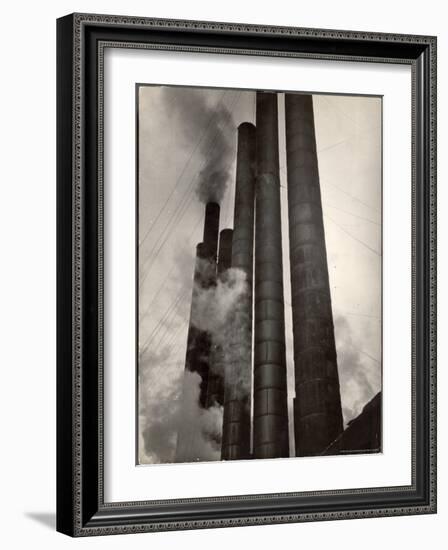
(213, 305)
(205, 425)
(169, 402)
(211, 126)
(220, 310)
(169, 394)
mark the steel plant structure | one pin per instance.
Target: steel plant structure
(317, 406)
(237, 406)
(260, 430)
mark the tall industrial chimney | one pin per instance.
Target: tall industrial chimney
(236, 423)
(225, 251)
(317, 406)
(196, 361)
(198, 342)
(270, 390)
(211, 231)
(215, 388)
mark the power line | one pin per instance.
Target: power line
(172, 222)
(163, 319)
(167, 277)
(181, 204)
(167, 332)
(334, 145)
(339, 189)
(183, 324)
(179, 212)
(350, 213)
(367, 354)
(355, 314)
(352, 236)
(213, 115)
(157, 328)
(166, 315)
(157, 331)
(351, 196)
(343, 113)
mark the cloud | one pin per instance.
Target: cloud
(204, 425)
(160, 384)
(210, 126)
(169, 395)
(359, 375)
(169, 402)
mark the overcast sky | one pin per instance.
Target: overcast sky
(183, 133)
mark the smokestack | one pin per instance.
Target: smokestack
(215, 389)
(270, 388)
(196, 360)
(317, 406)
(225, 251)
(198, 346)
(198, 342)
(211, 230)
(236, 423)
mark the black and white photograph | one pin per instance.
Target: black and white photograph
(259, 274)
(221, 246)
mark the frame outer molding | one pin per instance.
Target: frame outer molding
(71, 260)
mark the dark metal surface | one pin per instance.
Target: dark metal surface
(270, 395)
(236, 423)
(363, 433)
(225, 251)
(211, 231)
(317, 405)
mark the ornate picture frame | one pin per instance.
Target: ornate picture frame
(81, 506)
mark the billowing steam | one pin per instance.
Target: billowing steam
(221, 311)
(213, 305)
(171, 404)
(205, 425)
(211, 127)
(171, 393)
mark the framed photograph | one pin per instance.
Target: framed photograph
(246, 274)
